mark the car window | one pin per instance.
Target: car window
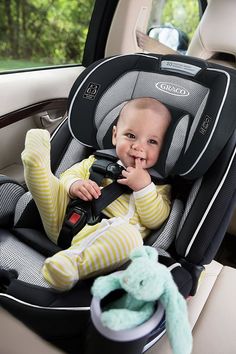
(173, 22)
(37, 33)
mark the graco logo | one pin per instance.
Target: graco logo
(91, 91)
(205, 124)
(172, 89)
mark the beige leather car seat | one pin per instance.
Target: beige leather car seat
(211, 314)
(214, 38)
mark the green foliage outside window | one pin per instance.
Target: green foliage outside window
(43, 32)
(180, 14)
(183, 15)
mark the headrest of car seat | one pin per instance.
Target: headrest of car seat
(197, 94)
(210, 40)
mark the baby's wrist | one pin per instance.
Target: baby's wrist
(144, 184)
(71, 192)
(143, 191)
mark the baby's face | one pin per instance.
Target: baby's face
(139, 134)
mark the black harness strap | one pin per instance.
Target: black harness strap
(79, 213)
(108, 195)
(75, 219)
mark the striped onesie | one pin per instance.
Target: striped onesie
(105, 245)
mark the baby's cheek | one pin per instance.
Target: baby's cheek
(155, 156)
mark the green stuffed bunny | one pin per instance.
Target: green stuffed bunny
(145, 281)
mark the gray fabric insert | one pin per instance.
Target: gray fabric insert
(162, 252)
(165, 236)
(27, 262)
(191, 198)
(177, 143)
(107, 122)
(118, 93)
(71, 156)
(196, 121)
(21, 205)
(9, 195)
(146, 86)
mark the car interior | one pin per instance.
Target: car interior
(202, 259)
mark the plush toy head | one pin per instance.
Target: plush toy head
(142, 278)
(146, 281)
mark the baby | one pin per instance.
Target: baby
(138, 138)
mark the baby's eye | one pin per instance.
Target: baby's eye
(130, 135)
(153, 141)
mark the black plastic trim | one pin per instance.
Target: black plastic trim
(99, 27)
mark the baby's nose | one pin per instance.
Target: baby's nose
(138, 146)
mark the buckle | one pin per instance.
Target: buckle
(93, 220)
(114, 171)
(107, 169)
(76, 217)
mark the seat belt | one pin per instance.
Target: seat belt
(79, 212)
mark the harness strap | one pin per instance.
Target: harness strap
(108, 195)
(79, 213)
(75, 219)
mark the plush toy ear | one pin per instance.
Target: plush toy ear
(177, 324)
(144, 252)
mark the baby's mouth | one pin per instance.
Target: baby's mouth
(142, 160)
(134, 156)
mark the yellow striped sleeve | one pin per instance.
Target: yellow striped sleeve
(78, 171)
(153, 205)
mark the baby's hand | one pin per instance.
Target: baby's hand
(135, 177)
(85, 190)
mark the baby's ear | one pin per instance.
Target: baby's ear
(144, 252)
(114, 133)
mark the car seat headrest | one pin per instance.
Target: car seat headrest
(209, 41)
(196, 93)
(173, 144)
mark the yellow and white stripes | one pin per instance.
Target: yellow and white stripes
(153, 205)
(49, 194)
(106, 248)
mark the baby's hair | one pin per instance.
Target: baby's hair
(146, 103)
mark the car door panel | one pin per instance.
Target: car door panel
(32, 99)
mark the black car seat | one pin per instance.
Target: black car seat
(198, 158)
